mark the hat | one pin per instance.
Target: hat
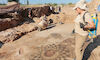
(81, 4)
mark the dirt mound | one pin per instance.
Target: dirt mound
(70, 13)
(66, 16)
(11, 17)
(9, 21)
(93, 5)
(41, 11)
(15, 22)
(24, 12)
(11, 3)
(7, 9)
(13, 34)
(37, 11)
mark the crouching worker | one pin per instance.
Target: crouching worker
(83, 23)
(43, 23)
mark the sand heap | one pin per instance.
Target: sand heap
(93, 5)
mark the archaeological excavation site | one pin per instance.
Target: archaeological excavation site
(42, 32)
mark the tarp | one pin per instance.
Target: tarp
(8, 9)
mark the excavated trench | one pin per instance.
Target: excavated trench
(38, 46)
(15, 23)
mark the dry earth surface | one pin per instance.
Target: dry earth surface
(56, 43)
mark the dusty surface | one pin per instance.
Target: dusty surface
(48, 39)
(56, 43)
(66, 16)
(53, 44)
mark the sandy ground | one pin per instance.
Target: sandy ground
(44, 38)
(62, 31)
(58, 41)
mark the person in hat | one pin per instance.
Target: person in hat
(43, 23)
(83, 22)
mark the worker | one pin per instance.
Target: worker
(59, 9)
(83, 22)
(43, 23)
